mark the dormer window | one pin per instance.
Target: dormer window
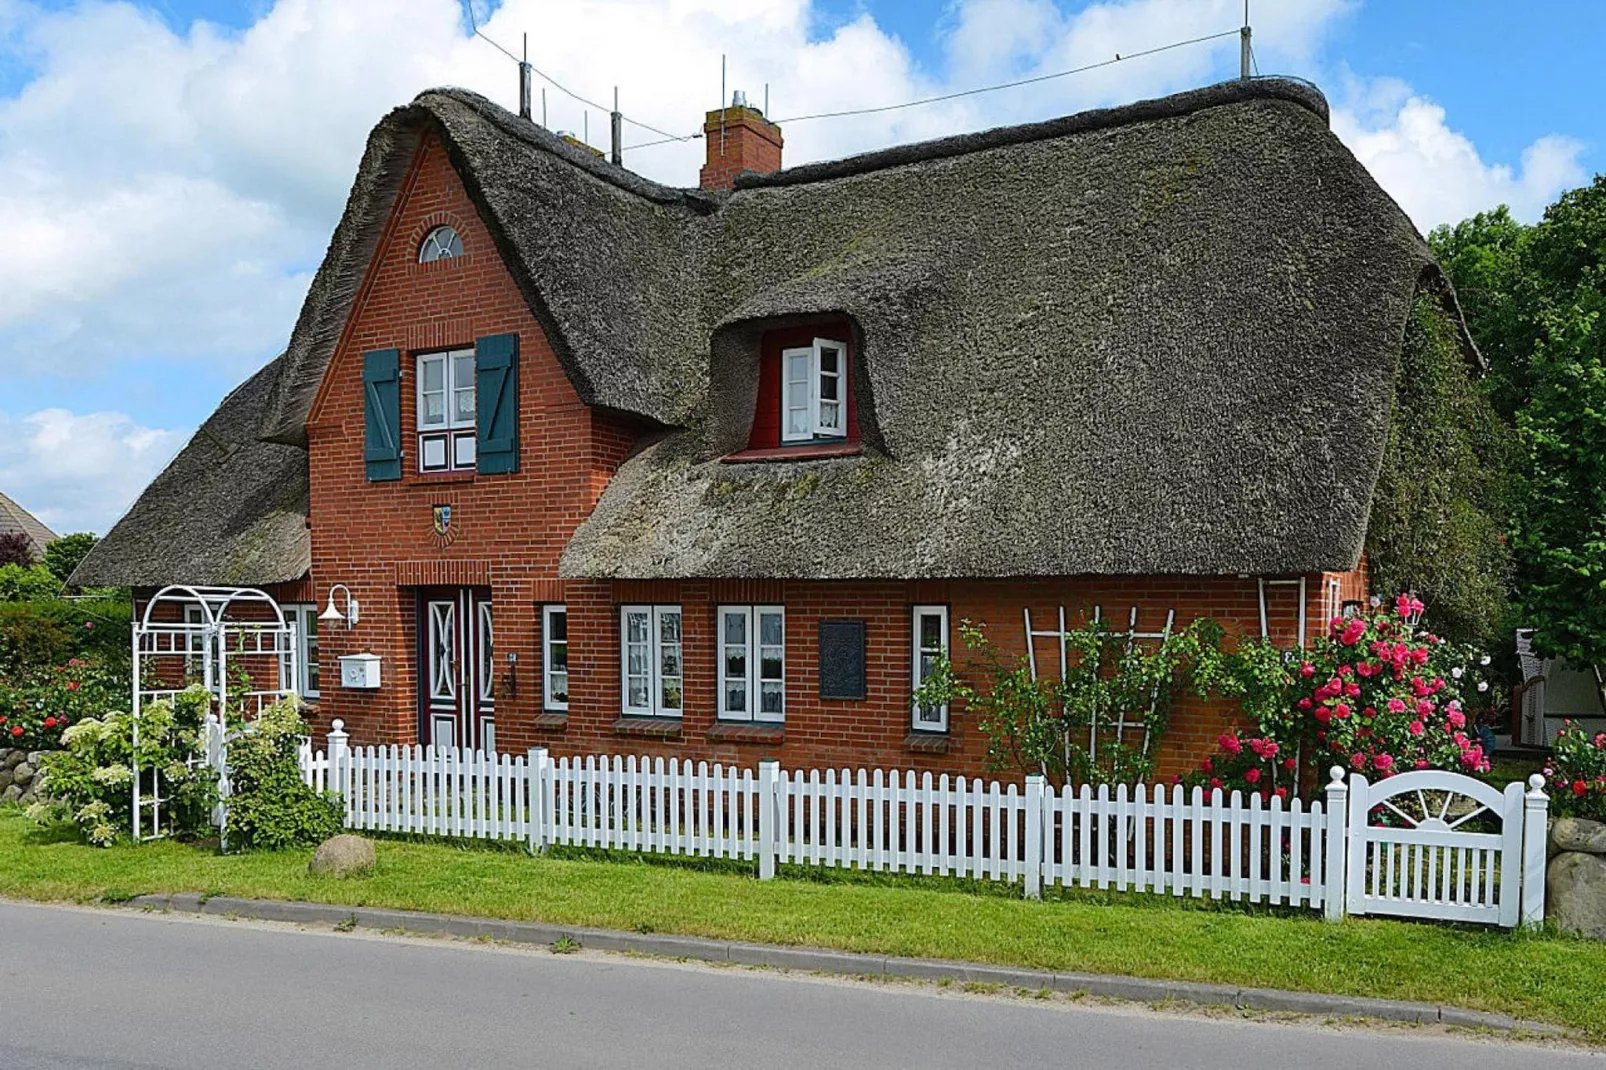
(813, 391)
(442, 243)
(805, 394)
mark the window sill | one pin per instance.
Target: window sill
(746, 732)
(811, 451)
(926, 743)
(648, 727)
(551, 719)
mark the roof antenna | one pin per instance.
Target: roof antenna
(585, 128)
(722, 104)
(618, 154)
(524, 81)
(543, 107)
(1244, 52)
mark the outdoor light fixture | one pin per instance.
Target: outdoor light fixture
(332, 614)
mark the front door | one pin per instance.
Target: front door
(456, 668)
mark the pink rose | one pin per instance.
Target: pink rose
(1382, 761)
(1396, 705)
(1323, 714)
(1341, 711)
(1358, 760)
(1417, 728)
(1252, 776)
(1456, 718)
(1306, 669)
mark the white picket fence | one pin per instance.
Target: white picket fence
(1333, 854)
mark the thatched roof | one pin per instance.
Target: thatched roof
(1153, 339)
(229, 510)
(14, 519)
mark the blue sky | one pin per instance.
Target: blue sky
(177, 165)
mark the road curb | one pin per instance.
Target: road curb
(848, 963)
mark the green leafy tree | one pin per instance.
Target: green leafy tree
(62, 555)
(1534, 298)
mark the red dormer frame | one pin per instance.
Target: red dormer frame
(764, 440)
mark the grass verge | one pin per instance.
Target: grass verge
(1538, 976)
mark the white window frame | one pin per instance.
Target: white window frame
(305, 617)
(194, 639)
(752, 679)
(454, 436)
(917, 652)
(434, 248)
(548, 644)
(809, 398)
(656, 678)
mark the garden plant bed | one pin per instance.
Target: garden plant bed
(1535, 977)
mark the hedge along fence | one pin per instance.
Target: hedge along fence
(1152, 839)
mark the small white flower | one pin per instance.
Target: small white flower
(1456, 672)
(1483, 685)
(1484, 660)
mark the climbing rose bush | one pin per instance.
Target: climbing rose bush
(1376, 694)
(1576, 773)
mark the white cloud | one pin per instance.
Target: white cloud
(1434, 171)
(80, 473)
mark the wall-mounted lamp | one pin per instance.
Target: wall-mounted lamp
(350, 616)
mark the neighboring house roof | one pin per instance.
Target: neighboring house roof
(229, 510)
(1160, 338)
(14, 518)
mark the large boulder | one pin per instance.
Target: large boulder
(22, 774)
(1575, 893)
(1578, 834)
(343, 856)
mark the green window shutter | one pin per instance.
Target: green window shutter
(496, 403)
(381, 389)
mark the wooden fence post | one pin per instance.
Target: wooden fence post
(537, 830)
(1535, 830)
(769, 777)
(1034, 836)
(1337, 848)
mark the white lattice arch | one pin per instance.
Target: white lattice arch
(207, 630)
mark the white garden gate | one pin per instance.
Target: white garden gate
(1434, 844)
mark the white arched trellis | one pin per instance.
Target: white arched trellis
(187, 635)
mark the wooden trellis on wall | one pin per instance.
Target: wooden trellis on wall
(1116, 728)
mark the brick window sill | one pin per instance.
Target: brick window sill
(647, 727)
(555, 719)
(926, 743)
(746, 732)
(811, 452)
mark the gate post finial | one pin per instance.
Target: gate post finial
(1535, 830)
(1337, 818)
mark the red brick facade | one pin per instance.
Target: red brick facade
(508, 532)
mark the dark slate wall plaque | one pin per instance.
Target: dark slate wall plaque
(842, 659)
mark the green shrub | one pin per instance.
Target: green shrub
(45, 632)
(38, 704)
(270, 807)
(63, 554)
(90, 782)
(20, 583)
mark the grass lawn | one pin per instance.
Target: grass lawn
(1541, 977)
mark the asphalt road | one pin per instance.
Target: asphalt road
(92, 988)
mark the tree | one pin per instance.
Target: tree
(63, 554)
(15, 549)
(1534, 298)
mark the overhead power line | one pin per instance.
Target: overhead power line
(1118, 58)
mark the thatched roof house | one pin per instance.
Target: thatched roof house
(15, 520)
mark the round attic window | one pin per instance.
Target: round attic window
(442, 243)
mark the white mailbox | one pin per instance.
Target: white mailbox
(359, 670)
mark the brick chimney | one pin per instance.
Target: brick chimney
(739, 139)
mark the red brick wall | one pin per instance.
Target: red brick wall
(738, 139)
(507, 530)
(874, 731)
